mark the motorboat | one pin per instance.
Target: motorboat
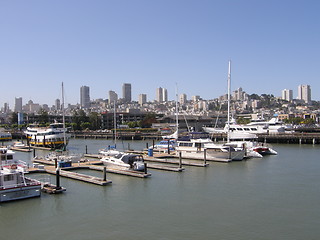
(124, 161)
(13, 183)
(55, 136)
(109, 151)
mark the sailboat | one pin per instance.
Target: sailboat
(112, 150)
(201, 147)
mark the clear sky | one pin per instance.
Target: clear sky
(273, 45)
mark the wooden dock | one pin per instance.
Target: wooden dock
(176, 161)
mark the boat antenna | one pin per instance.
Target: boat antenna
(63, 120)
(229, 86)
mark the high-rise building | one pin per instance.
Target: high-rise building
(126, 92)
(58, 104)
(304, 93)
(287, 95)
(183, 98)
(142, 98)
(85, 97)
(18, 104)
(113, 97)
(164, 95)
(159, 94)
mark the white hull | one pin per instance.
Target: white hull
(218, 157)
(17, 193)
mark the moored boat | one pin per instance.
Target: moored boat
(55, 136)
(124, 161)
(13, 183)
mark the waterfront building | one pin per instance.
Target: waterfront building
(113, 97)
(304, 93)
(85, 97)
(18, 104)
(287, 95)
(126, 92)
(142, 99)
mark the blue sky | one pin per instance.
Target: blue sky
(273, 45)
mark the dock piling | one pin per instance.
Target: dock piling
(205, 156)
(145, 168)
(58, 178)
(104, 174)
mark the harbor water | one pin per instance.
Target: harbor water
(275, 197)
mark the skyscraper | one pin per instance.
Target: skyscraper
(287, 95)
(113, 97)
(164, 95)
(85, 97)
(18, 104)
(304, 93)
(183, 98)
(126, 92)
(142, 99)
(159, 94)
(57, 104)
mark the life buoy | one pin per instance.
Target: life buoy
(13, 166)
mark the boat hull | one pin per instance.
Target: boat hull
(18, 193)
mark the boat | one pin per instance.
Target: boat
(55, 136)
(124, 161)
(5, 136)
(164, 145)
(13, 183)
(109, 151)
(199, 146)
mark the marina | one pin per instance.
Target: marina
(196, 193)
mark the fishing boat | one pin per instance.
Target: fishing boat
(55, 136)
(124, 161)
(13, 183)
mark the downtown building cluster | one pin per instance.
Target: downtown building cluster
(242, 104)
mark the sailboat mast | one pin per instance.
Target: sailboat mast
(177, 112)
(63, 120)
(229, 87)
(115, 124)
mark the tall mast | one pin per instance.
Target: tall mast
(63, 120)
(177, 112)
(229, 86)
(115, 124)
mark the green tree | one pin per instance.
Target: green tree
(95, 120)
(43, 116)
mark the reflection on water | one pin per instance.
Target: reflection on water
(271, 198)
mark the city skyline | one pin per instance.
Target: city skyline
(273, 46)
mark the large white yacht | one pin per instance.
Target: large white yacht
(13, 184)
(54, 136)
(200, 146)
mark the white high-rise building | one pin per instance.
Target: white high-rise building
(183, 98)
(142, 99)
(159, 94)
(287, 94)
(85, 97)
(164, 95)
(113, 97)
(304, 93)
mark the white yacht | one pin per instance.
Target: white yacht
(124, 161)
(204, 147)
(13, 184)
(54, 136)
